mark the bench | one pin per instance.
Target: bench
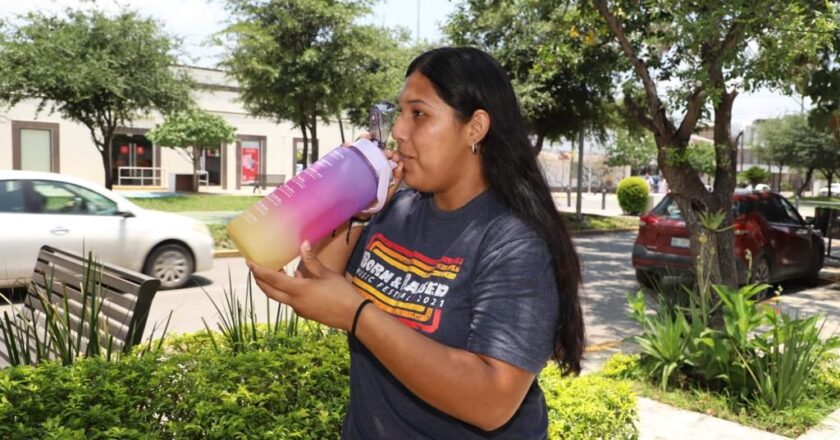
(268, 181)
(67, 297)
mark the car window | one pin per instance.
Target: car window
(668, 208)
(772, 209)
(66, 198)
(791, 212)
(11, 196)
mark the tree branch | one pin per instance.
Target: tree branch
(660, 121)
(692, 114)
(636, 110)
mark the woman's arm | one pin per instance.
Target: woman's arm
(477, 389)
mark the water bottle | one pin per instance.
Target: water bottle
(317, 201)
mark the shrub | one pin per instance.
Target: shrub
(757, 354)
(621, 366)
(297, 392)
(632, 195)
(754, 175)
(196, 388)
(588, 407)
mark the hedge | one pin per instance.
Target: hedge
(632, 194)
(297, 391)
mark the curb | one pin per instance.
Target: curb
(603, 231)
(226, 253)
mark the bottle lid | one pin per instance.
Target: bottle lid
(381, 165)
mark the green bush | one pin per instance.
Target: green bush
(297, 392)
(632, 195)
(195, 388)
(588, 407)
(758, 354)
(753, 175)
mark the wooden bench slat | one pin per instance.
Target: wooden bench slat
(124, 299)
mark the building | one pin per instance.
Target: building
(29, 140)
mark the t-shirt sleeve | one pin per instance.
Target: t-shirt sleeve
(515, 303)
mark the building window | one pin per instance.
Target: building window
(35, 146)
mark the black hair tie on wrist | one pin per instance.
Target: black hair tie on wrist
(356, 317)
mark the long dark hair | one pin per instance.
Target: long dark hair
(468, 80)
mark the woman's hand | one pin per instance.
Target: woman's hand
(325, 296)
(397, 173)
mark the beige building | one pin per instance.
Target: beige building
(47, 142)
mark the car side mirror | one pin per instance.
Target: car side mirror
(124, 211)
(809, 221)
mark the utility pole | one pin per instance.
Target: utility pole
(580, 174)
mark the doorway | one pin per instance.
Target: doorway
(133, 161)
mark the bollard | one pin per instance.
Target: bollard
(603, 199)
(569, 197)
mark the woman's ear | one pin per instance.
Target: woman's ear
(478, 126)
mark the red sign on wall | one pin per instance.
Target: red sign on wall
(250, 164)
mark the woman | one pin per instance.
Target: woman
(461, 289)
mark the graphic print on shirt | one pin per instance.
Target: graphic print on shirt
(407, 284)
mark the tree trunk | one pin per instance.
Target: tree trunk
(341, 130)
(196, 160)
(314, 130)
(779, 179)
(538, 146)
(305, 157)
(808, 175)
(107, 139)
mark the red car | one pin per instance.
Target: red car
(782, 245)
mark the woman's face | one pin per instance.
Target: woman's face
(433, 144)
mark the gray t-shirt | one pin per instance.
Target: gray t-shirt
(477, 278)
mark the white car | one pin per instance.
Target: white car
(835, 190)
(44, 208)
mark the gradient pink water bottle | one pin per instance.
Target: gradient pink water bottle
(313, 204)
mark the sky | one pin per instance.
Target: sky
(195, 20)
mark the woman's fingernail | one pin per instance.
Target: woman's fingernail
(306, 246)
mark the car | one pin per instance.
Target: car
(38, 208)
(780, 243)
(835, 190)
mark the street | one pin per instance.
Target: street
(608, 277)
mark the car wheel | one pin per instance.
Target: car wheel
(648, 279)
(761, 275)
(172, 264)
(812, 278)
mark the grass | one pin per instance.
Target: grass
(600, 223)
(221, 237)
(821, 399)
(198, 202)
(833, 199)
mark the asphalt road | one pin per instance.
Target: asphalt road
(608, 277)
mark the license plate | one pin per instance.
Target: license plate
(679, 242)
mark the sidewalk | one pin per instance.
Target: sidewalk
(658, 421)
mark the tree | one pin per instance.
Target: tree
(300, 60)
(799, 143)
(635, 149)
(553, 52)
(192, 131)
(98, 70)
(711, 50)
(755, 175)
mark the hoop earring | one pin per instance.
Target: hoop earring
(474, 148)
